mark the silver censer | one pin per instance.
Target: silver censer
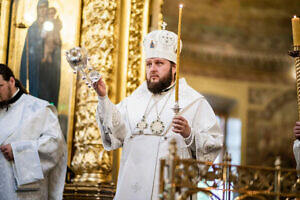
(78, 59)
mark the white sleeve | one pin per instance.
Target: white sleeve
(36, 156)
(111, 122)
(208, 137)
(27, 166)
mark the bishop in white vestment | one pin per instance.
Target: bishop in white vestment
(144, 123)
(35, 167)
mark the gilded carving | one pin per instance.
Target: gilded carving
(135, 68)
(223, 179)
(91, 162)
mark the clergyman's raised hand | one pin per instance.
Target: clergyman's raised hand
(100, 87)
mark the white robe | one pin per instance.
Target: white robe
(38, 171)
(139, 167)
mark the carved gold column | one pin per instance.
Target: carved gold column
(156, 14)
(4, 20)
(91, 163)
(137, 30)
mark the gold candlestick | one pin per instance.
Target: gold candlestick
(178, 54)
(295, 53)
(297, 67)
(296, 30)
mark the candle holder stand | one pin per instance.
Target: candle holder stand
(296, 55)
(176, 108)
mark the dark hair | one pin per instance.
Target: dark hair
(6, 73)
(173, 65)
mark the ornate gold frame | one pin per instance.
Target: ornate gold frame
(12, 40)
(4, 27)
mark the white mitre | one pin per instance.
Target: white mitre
(161, 44)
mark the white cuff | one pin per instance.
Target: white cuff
(100, 98)
(28, 168)
(189, 140)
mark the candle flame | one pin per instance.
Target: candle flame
(295, 16)
(180, 5)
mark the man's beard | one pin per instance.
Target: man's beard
(162, 84)
(5, 103)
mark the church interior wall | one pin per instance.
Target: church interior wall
(237, 51)
(252, 100)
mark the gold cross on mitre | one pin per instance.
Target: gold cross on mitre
(163, 25)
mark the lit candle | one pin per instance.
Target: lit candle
(178, 53)
(296, 30)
